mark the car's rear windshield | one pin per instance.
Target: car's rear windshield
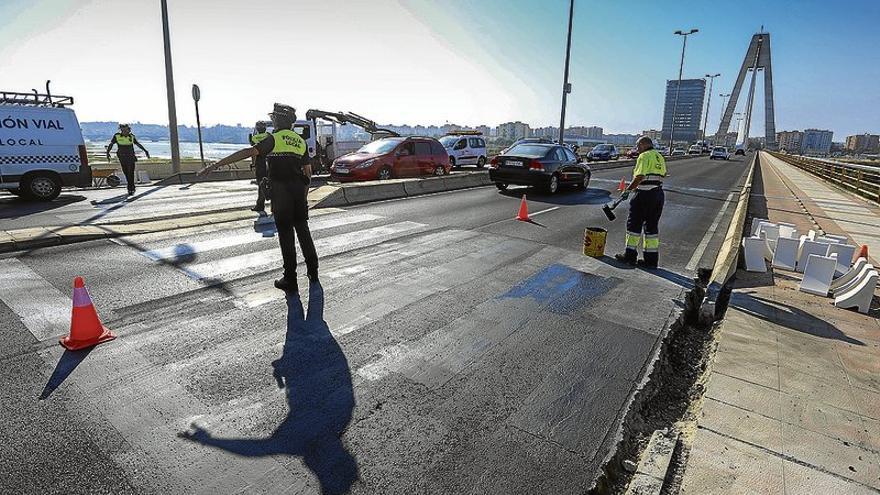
(380, 146)
(528, 150)
(603, 147)
(719, 148)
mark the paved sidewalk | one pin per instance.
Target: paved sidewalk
(792, 403)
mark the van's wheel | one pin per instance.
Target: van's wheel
(501, 186)
(481, 162)
(452, 161)
(384, 173)
(41, 187)
(553, 185)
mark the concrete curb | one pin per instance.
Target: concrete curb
(653, 464)
(728, 254)
(358, 193)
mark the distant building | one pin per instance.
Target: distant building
(486, 130)
(591, 132)
(688, 111)
(654, 134)
(513, 130)
(790, 141)
(863, 143)
(816, 142)
(622, 139)
(547, 132)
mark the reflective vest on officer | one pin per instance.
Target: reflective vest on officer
(256, 138)
(288, 143)
(652, 166)
(123, 140)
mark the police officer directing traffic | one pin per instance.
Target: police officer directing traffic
(260, 166)
(125, 143)
(286, 154)
(645, 207)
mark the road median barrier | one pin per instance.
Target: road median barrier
(728, 254)
(330, 195)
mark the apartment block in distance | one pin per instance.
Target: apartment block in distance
(816, 142)
(863, 143)
(513, 130)
(790, 141)
(688, 111)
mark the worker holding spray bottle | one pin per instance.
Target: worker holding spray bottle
(645, 207)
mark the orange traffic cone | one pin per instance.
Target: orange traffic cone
(622, 186)
(523, 210)
(863, 252)
(86, 328)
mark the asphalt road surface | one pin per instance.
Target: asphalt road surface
(448, 349)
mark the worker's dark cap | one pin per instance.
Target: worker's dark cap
(260, 123)
(124, 126)
(285, 111)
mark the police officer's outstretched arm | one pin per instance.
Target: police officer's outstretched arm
(110, 146)
(238, 156)
(139, 145)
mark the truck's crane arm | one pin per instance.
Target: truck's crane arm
(343, 118)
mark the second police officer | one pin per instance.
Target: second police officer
(287, 157)
(125, 143)
(260, 170)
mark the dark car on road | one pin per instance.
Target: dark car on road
(548, 166)
(393, 157)
(603, 152)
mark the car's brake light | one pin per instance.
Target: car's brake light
(536, 165)
(83, 155)
(493, 162)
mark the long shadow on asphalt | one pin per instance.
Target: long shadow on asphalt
(675, 278)
(21, 207)
(566, 196)
(317, 378)
(68, 362)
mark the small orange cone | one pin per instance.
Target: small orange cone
(523, 210)
(863, 252)
(622, 186)
(86, 328)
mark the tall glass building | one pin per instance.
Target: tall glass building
(688, 112)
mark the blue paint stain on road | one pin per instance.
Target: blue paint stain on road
(562, 288)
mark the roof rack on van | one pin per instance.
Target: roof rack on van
(464, 133)
(35, 98)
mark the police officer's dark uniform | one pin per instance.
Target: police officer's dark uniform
(645, 209)
(286, 154)
(260, 167)
(125, 143)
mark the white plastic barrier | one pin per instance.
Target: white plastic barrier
(818, 274)
(785, 255)
(860, 296)
(862, 273)
(753, 251)
(771, 233)
(787, 230)
(756, 225)
(809, 248)
(851, 274)
(844, 254)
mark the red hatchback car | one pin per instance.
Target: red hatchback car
(392, 158)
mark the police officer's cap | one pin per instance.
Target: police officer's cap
(284, 111)
(261, 124)
(124, 126)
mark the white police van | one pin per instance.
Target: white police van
(465, 148)
(41, 145)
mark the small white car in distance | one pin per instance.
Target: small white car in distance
(695, 149)
(719, 153)
(465, 148)
(678, 151)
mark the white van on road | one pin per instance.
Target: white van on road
(465, 148)
(41, 146)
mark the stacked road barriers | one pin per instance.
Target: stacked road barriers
(826, 262)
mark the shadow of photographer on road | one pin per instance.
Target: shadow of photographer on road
(315, 373)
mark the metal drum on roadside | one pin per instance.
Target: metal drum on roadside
(594, 241)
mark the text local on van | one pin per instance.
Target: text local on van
(39, 124)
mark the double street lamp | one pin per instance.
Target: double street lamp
(711, 78)
(684, 36)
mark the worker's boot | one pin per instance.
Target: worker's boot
(646, 265)
(287, 285)
(624, 258)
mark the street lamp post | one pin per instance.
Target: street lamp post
(169, 87)
(711, 79)
(678, 87)
(566, 86)
(724, 98)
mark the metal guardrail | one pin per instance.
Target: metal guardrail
(863, 180)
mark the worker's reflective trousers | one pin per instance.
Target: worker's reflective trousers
(645, 209)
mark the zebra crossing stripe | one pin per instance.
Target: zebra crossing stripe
(43, 309)
(182, 250)
(327, 246)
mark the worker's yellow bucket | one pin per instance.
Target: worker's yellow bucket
(594, 241)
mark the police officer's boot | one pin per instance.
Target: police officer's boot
(286, 284)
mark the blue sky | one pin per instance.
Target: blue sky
(464, 61)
